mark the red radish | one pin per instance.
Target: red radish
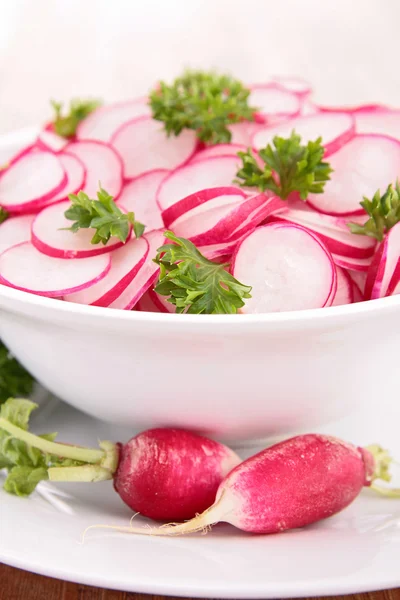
(25, 268)
(364, 165)
(217, 251)
(288, 268)
(30, 181)
(146, 276)
(290, 485)
(49, 140)
(358, 278)
(242, 132)
(144, 146)
(139, 196)
(296, 85)
(161, 302)
(345, 288)
(15, 231)
(102, 164)
(308, 108)
(384, 272)
(125, 264)
(50, 236)
(271, 207)
(358, 296)
(353, 264)
(217, 171)
(104, 121)
(147, 303)
(273, 101)
(219, 150)
(76, 173)
(335, 129)
(335, 234)
(384, 121)
(203, 200)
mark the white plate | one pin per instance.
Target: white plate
(355, 551)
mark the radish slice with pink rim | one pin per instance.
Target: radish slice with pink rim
(359, 279)
(103, 164)
(335, 129)
(337, 237)
(145, 278)
(353, 264)
(25, 268)
(361, 167)
(161, 302)
(15, 231)
(217, 171)
(144, 146)
(383, 121)
(76, 174)
(50, 236)
(105, 120)
(243, 132)
(140, 197)
(296, 85)
(384, 272)
(271, 100)
(49, 140)
(125, 264)
(147, 303)
(219, 150)
(271, 207)
(345, 288)
(30, 181)
(288, 268)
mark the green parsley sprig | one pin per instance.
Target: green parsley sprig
(383, 211)
(203, 101)
(66, 125)
(289, 166)
(195, 284)
(14, 379)
(103, 215)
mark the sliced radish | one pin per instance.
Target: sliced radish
(216, 171)
(76, 173)
(352, 264)
(216, 251)
(335, 129)
(103, 165)
(271, 100)
(49, 140)
(288, 268)
(203, 200)
(140, 197)
(144, 146)
(384, 272)
(365, 164)
(146, 276)
(25, 268)
(219, 150)
(125, 264)
(308, 108)
(50, 236)
(104, 122)
(15, 231)
(359, 279)
(161, 302)
(357, 294)
(296, 85)
(270, 207)
(336, 236)
(30, 181)
(345, 288)
(147, 304)
(243, 132)
(383, 121)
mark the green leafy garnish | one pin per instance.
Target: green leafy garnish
(3, 215)
(14, 379)
(103, 215)
(66, 125)
(289, 167)
(26, 465)
(195, 284)
(383, 211)
(203, 101)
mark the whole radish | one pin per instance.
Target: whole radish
(289, 485)
(161, 473)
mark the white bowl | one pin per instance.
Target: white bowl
(234, 376)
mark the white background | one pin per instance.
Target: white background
(349, 49)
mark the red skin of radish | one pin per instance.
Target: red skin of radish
(171, 473)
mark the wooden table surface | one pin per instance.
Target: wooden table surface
(21, 585)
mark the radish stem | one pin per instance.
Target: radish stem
(89, 455)
(86, 473)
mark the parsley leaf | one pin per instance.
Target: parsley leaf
(203, 101)
(289, 167)
(383, 211)
(195, 284)
(66, 125)
(14, 379)
(103, 215)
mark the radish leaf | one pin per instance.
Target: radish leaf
(103, 215)
(203, 101)
(66, 125)
(383, 211)
(288, 167)
(195, 284)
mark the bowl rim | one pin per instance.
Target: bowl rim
(324, 315)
